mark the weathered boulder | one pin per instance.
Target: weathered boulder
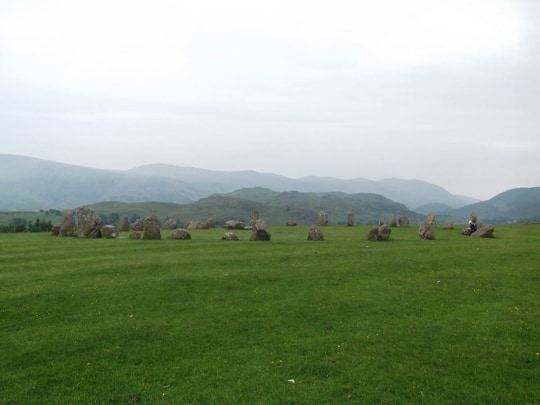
(67, 226)
(151, 229)
(379, 233)
(350, 219)
(89, 223)
(290, 222)
(383, 233)
(55, 230)
(260, 231)
(426, 229)
(231, 224)
(403, 221)
(323, 219)
(229, 236)
(373, 234)
(109, 232)
(197, 224)
(179, 234)
(315, 234)
(136, 235)
(123, 224)
(484, 231)
(138, 225)
(170, 224)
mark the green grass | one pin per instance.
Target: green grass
(450, 321)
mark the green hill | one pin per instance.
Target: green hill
(274, 207)
(516, 205)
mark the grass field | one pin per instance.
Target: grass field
(290, 321)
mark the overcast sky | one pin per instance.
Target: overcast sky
(446, 91)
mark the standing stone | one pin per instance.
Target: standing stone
(379, 233)
(179, 234)
(260, 231)
(393, 221)
(426, 228)
(403, 221)
(254, 217)
(373, 234)
(170, 224)
(229, 236)
(350, 219)
(315, 234)
(89, 223)
(55, 230)
(109, 232)
(210, 223)
(484, 231)
(67, 226)
(123, 225)
(135, 235)
(323, 219)
(138, 225)
(383, 233)
(232, 224)
(197, 224)
(290, 222)
(151, 229)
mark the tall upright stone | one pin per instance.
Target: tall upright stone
(89, 223)
(151, 229)
(138, 225)
(260, 231)
(68, 225)
(123, 225)
(323, 219)
(403, 221)
(254, 217)
(426, 229)
(350, 219)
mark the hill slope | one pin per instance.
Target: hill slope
(274, 207)
(515, 205)
(32, 184)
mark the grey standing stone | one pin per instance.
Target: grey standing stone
(151, 229)
(315, 234)
(123, 225)
(179, 234)
(67, 226)
(89, 223)
(426, 229)
(323, 219)
(403, 221)
(350, 219)
(138, 225)
(260, 231)
(109, 232)
(229, 236)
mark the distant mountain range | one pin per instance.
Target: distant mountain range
(30, 184)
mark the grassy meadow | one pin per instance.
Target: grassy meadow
(290, 321)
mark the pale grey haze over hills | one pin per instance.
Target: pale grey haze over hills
(447, 92)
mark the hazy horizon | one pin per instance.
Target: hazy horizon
(446, 92)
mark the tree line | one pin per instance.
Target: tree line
(22, 225)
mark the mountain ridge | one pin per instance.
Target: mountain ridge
(32, 183)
